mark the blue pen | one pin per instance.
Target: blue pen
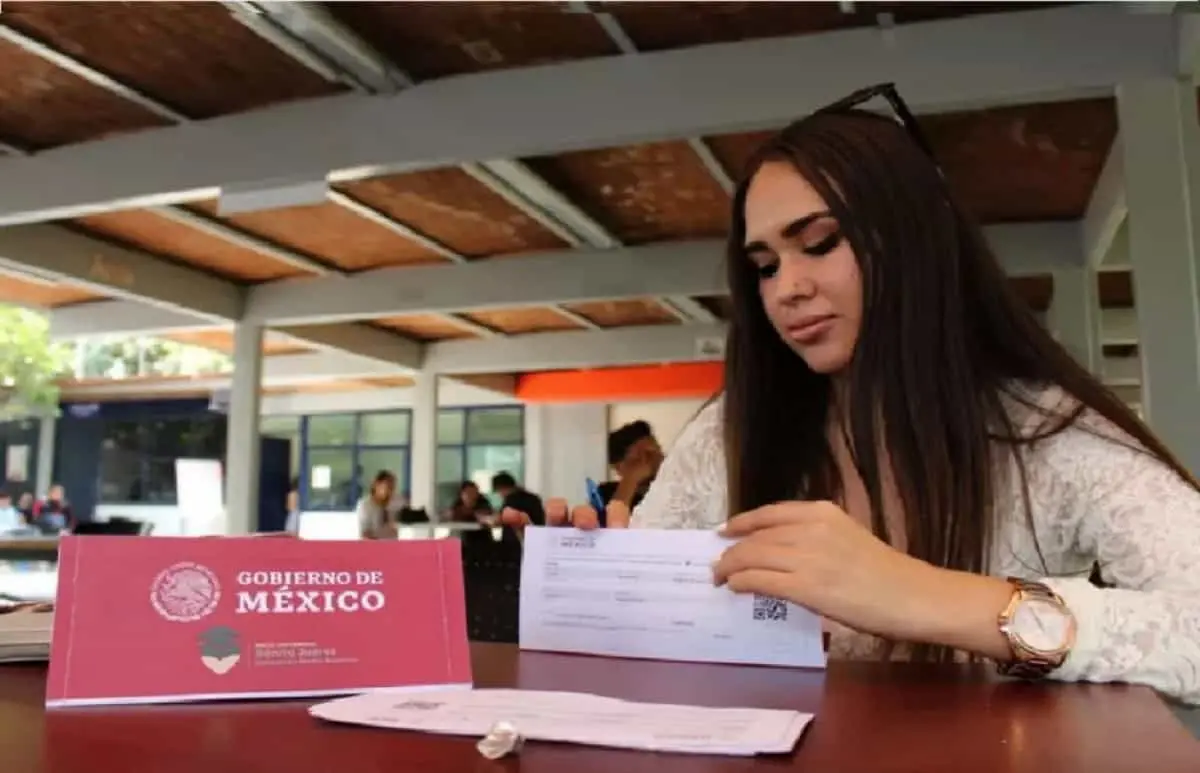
(594, 498)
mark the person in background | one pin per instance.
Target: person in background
(53, 514)
(292, 503)
(25, 506)
(470, 506)
(377, 510)
(10, 517)
(635, 455)
(520, 507)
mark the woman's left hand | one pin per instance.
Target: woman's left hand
(815, 555)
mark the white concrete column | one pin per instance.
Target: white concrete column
(45, 455)
(1161, 142)
(1074, 315)
(536, 447)
(423, 462)
(242, 440)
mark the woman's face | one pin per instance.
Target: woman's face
(470, 495)
(384, 489)
(809, 280)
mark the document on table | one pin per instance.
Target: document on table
(576, 718)
(647, 593)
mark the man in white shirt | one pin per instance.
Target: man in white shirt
(10, 518)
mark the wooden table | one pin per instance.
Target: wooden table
(871, 718)
(28, 549)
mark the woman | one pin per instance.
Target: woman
(53, 514)
(377, 510)
(899, 439)
(470, 506)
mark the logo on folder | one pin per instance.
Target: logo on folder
(219, 649)
(185, 592)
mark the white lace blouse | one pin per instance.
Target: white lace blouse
(1092, 499)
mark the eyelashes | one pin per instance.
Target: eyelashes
(820, 248)
(824, 246)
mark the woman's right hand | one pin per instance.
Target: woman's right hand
(560, 513)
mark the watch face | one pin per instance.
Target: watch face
(1041, 625)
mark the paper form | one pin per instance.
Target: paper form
(647, 593)
(576, 718)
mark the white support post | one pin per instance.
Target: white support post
(423, 459)
(45, 455)
(1074, 316)
(1161, 142)
(242, 438)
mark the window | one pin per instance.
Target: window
(495, 425)
(343, 452)
(475, 444)
(334, 429)
(137, 457)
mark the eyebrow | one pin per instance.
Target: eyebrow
(789, 231)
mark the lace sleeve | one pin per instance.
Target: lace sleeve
(689, 491)
(1136, 517)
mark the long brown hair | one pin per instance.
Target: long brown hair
(943, 339)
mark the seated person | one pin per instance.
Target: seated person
(377, 510)
(520, 507)
(635, 455)
(902, 447)
(292, 504)
(25, 505)
(11, 519)
(470, 506)
(53, 515)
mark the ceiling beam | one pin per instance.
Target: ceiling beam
(120, 271)
(542, 279)
(404, 355)
(574, 349)
(1106, 209)
(1069, 51)
(98, 318)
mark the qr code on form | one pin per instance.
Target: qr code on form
(767, 608)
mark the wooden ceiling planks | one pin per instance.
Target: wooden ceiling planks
(437, 39)
(43, 106)
(624, 313)
(17, 291)
(425, 327)
(642, 193)
(451, 207)
(656, 26)
(1115, 289)
(147, 231)
(330, 234)
(1024, 163)
(1012, 164)
(343, 385)
(193, 56)
(717, 305)
(222, 341)
(1036, 291)
(522, 321)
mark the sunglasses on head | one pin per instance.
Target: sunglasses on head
(888, 92)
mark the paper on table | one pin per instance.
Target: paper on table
(649, 594)
(576, 718)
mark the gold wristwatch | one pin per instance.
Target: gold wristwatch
(1040, 629)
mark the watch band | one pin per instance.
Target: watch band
(1027, 663)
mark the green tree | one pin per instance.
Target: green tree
(30, 364)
